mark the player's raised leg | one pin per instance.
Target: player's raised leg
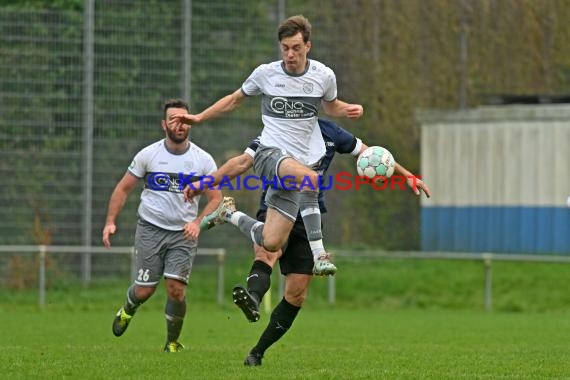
(220, 215)
(274, 232)
(249, 298)
(307, 181)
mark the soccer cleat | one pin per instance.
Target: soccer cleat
(220, 215)
(173, 347)
(245, 301)
(323, 266)
(121, 322)
(253, 359)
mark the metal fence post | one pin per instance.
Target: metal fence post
(221, 256)
(88, 126)
(42, 277)
(268, 301)
(487, 260)
(332, 289)
(133, 264)
(282, 280)
(186, 49)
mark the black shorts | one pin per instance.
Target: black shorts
(297, 256)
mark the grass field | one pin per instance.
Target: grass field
(392, 320)
(324, 343)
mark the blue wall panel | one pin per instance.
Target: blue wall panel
(496, 229)
(462, 236)
(561, 230)
(545, 231)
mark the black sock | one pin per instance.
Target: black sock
(259, 279)
(133, 302)
(281, 319)
(174, 313)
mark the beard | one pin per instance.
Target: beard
(176, 138)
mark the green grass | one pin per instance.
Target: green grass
(393, 319)
(361, 283)
(324, 343)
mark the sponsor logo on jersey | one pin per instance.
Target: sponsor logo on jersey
(292, 108)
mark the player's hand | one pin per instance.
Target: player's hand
(417, 184)
(191, 191)
(185, 118)
(354, 111)
(192, 230)
(108, 230)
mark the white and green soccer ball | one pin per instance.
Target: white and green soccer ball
(375, 161)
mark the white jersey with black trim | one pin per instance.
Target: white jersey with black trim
(165, 175)
(290, 105)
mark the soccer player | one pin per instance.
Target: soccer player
(291, 144)
(295, 262)
(166, 234)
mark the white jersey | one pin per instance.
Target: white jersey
(290, 106)
(164, 174)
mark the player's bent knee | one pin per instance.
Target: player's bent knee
(267, 257)
(177, 294)
(144, 292)
(176, 290)
(273, 243)
(295, 299)
(272, 246)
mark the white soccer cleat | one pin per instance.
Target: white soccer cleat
(220, 215)
(323, 266)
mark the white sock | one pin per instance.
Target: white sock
(234, 218)
(317, 248)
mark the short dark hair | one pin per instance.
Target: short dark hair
(294, 25)
(174, 103)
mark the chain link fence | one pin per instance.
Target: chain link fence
(81, 84)
(81, 94)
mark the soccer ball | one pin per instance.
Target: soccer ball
(375, 161)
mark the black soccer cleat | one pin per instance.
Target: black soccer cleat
(121, 322)
(246, 302)
(253, 360)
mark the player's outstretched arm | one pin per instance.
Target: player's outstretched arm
(414, 183)
(338, 108)
(228, 171)
(116, 203)
(226, 104)
(362, 149)
(192, 229)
